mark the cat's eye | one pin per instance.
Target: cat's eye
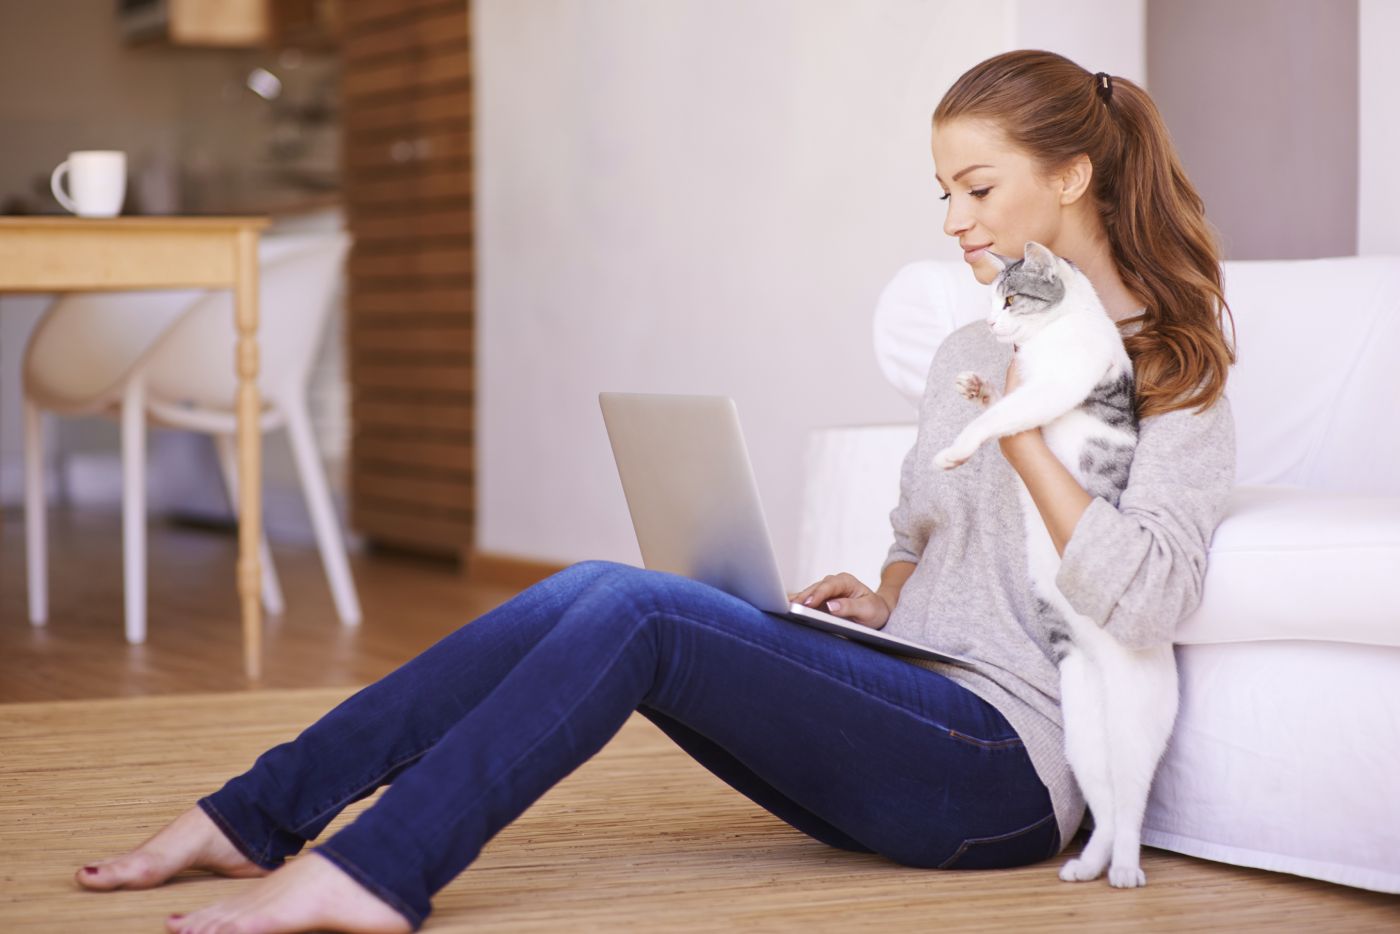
(976, 192)
(1007, 304)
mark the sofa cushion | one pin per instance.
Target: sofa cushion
(1292, 563)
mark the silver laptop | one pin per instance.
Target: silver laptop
(690, 488)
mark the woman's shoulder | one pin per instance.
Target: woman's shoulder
(1190, 439)
(970, 343)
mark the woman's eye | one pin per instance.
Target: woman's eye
(976, 192)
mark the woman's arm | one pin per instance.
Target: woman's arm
(1138, 568)
(1058, 496)
(893, 580)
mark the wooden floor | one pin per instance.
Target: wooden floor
(194, 640)
(640, 838)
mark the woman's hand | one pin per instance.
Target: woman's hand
(845, 597)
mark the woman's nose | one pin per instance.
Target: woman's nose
(955, 225)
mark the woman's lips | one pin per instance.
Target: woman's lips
(972, 256)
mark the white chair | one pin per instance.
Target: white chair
(169, 356)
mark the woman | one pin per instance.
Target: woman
(927, 764)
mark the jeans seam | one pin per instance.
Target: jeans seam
(372, 783)
(355, 872)
(969, 842)
(1010, 741)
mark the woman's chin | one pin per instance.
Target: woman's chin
(985, 269)
(984, 272)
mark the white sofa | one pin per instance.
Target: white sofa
(1286, 751)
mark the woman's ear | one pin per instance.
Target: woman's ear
(1074, 181)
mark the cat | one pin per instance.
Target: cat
(1118, 705)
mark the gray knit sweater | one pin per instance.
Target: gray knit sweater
(1136, 569)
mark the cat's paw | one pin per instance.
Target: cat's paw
(970, 385)
(1080, 870)
(1126, 877)
(949, 458)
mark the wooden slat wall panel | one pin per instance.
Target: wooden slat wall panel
(385, 414)
(422, 457)
(375, 306)
(450, 66)
(428, 106)
(414, 34)
(456, 341)
(390, 189)
(425, 262)
(419, 491)
(420, 375)
(450, 223)
(390, 525)
(445, 142)
(406, 73)
(361, 15)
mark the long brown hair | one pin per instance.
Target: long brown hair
(1165, 250)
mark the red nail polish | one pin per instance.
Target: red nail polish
(177, 916)
(89, 869)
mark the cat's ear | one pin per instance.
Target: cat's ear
(1039, 256)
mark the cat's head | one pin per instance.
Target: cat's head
(1027, 293)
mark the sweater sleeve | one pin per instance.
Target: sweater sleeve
(911, 533)
(909, 519)
(1137, 570)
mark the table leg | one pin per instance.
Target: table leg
(249, 452)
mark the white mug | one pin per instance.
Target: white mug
(97, 179)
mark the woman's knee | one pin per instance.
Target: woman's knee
(583, 577)
(594, 567)
(583, 574)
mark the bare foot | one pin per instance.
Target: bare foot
(308, 893)
(191, 841)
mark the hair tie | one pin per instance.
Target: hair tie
(1104, 82)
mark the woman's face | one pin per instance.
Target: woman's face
(1000, 204)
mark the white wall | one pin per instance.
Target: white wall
(1378, 207)
(707, 196)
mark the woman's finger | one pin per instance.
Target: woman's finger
(833, 585)
(862, 609)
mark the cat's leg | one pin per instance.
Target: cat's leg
(1139, 729)
(1017, 411)
(1082, 710)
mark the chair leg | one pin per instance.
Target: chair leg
(35, 520)
(323, 518)
(134, 508)
(271, 584)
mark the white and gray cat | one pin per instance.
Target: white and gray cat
(1076, 385)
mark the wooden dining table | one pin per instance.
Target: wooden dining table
(69, 254)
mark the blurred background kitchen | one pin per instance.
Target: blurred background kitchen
(227, 107)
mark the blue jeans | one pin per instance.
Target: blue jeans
(854, 747)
